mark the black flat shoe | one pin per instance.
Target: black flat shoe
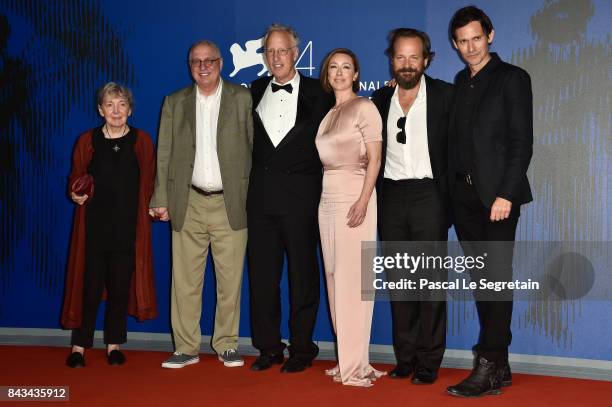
(401, 372)
(75, 360)
(264, 362)
(422, 375)
(295, 365)
(116, 357)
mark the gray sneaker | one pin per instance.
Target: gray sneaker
(179, 360)
(231, 358)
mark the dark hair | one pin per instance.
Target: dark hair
(325, 67)
(394, 35)
(466, 15)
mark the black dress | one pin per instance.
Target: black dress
(110, 235)
(111, 213)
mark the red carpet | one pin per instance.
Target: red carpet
(142, 382)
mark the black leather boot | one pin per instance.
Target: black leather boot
(483, 380)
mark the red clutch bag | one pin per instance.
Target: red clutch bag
(83, 185)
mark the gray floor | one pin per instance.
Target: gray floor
(530, 364)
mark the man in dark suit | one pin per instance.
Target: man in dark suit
(489, 151)
(282, 203)
(412, 191)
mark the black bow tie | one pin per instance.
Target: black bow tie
(286, 87)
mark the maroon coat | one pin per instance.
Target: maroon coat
(142, 303)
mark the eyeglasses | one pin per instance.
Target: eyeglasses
(283, 52)
(401, 135)
(196, 63)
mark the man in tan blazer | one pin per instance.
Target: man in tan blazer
(203, 164)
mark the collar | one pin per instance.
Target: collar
(420, 95)
(488, 68)
(295, 81)
(202, 98)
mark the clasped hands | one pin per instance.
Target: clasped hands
(160, 213)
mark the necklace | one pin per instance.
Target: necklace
(115, 148)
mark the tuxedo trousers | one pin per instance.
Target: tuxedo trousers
(414, 210)
(473, 226)
(270, 237)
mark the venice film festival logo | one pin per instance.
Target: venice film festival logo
(252, 56)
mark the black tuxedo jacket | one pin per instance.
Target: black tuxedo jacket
(439, 103)
(502, 135)
(287, 178)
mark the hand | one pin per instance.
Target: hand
(78, 199)
(364, 160)
(160, 213)
(500, 209)
(357, 213)
(391, 83)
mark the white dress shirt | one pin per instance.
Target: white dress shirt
(410, 160)
(206, 170)
(278, 110)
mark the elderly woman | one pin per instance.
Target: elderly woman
(110, 250)
(349, 142)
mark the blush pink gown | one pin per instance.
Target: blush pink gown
(341, 141)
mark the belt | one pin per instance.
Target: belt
(408, 182)
(204, 192)
(467, 178)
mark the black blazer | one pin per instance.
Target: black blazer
(502, 134)
(287, 178)
(439, 103)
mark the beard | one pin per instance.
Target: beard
(407, 82)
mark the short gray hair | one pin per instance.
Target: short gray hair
(207, 43)
(281, 28)
(112, 88)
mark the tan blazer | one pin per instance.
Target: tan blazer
(176, 152)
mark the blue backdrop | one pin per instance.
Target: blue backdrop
(55, 54)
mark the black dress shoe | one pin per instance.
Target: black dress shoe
(483, 380)
(115, 357)
(422, 375)
(294, 365)
(264, 362)
(76, 359)
(506, 375)
(401, 372)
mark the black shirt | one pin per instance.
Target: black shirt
(111, 213)
(469, 92)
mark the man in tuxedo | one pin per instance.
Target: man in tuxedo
(489, 153)
(412, 192)
(203, 162)
(282, 203)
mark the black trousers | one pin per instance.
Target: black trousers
(270, 237)
(113, 270)
(413, 210)
(472, 224)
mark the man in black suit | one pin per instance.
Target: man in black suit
(489, 151)
(413, 193)
(282, 203)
